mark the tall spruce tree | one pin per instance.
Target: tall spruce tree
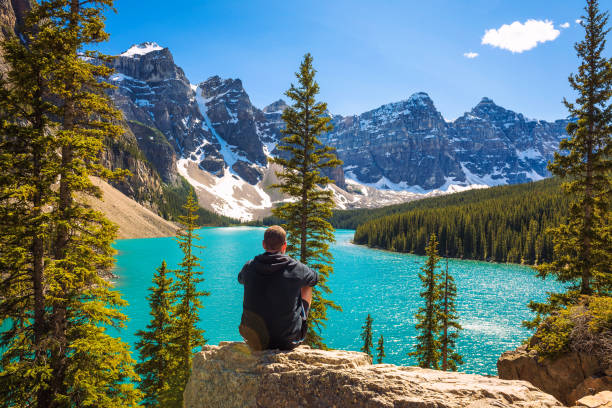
(449, 326)
(28, 157)
(187, 336)
(380, 348)
(89, 367)
(583, 244)
(427, 350)
(82, 365)
(156, 347)
(366, 335)
(303, 157)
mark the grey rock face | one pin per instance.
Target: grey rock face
(153, 92)
(404, 142)
(408, 143)
(234, 118)
(504, 145)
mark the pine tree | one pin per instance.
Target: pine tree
(309, 232)
(80, 364)
(156, 347)
(448, 321)
(187, 336)
(366, 336)
(27, 172)
(380, 349)
(427, 350)
(583, 244)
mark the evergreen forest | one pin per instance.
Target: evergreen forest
(501, 224)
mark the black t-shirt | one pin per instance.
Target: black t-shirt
(271, 316)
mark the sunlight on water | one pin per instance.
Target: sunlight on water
(491, 302)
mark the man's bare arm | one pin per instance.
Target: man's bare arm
(307, 294)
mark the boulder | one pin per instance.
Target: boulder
(568, 377)
(231, 375)
(599, 400)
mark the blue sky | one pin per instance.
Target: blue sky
(368, 53)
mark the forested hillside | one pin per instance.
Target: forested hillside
(502, 224)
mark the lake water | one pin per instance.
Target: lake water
(491, 300)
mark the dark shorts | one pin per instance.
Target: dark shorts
(253, 339)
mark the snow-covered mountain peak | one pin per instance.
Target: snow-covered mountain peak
(487, 109)
(229, 89)
(420, 97)
(486, 101)
(141, 49)
(276, 107)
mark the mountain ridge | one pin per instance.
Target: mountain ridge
(404, 148)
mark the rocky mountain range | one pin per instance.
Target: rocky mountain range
(408, 145)
(214, 136)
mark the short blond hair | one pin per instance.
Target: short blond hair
(274, 238)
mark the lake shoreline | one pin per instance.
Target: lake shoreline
(443, 257)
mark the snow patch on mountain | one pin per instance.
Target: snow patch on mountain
(141, 49)
(230, 156)
(493, 179)
(231, 195)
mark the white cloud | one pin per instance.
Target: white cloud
(470, 55)
(519, 37)
(565, 25)
(578, 21)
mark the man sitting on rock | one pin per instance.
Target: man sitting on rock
(277, 296)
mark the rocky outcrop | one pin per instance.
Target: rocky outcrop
(568, 377)
(143, 184)
(230, 375)
(600, 400)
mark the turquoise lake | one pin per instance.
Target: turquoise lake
(491, 302)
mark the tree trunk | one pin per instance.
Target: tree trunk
(445, 322)
(38, 252)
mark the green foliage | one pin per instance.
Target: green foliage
(186, 335)
(309, 232)
(167, 346)
(57, 302)
(449, 326)
(28, 169)
(583, 243)
(586, 327)
(366, 336)
(157, 365)
(601, 311)
(553, 335)
(428, 345)
(502, 224)
(380, 350)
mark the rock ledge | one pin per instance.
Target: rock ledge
(230, 375)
